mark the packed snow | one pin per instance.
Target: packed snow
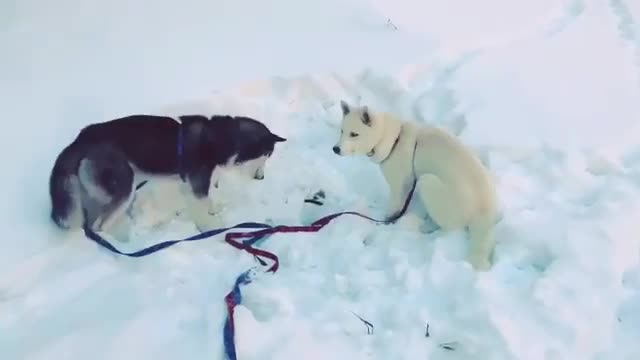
(546, 92)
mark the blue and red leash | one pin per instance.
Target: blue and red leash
(244, 241)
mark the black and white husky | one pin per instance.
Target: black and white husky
(93, 180)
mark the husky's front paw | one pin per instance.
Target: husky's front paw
(123, 237)
(215, 208)
(209, 222)
(121, 229)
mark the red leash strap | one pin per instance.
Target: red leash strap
(235, 238)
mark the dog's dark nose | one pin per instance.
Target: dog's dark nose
(336, 150)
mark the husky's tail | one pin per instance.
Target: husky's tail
(63, 189)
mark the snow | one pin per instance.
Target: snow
(549, 91)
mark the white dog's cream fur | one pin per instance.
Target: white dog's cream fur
(454, 186)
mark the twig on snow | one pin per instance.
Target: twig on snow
(391, 24)
(317, 198)
(313, 201)
(451, 346)
(367, 324)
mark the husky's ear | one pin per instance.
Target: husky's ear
(345, 107)
(277, 138)
(366, 119)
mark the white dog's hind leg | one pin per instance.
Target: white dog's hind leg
(445, 206)
(75, 218)
(442, 204)
(482, 243)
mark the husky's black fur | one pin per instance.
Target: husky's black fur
(93, 175)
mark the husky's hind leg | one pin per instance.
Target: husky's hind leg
(65, 190)
(115, 220)
(66, 210)
(107, 179)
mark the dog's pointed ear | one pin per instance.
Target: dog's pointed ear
(345, 107)
(277, 138)
(366, 118)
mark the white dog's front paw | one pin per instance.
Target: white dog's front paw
(479, 263)
(428, 226)
(392, 215)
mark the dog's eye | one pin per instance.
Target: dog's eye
(353, 134)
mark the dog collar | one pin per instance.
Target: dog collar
(373, 151)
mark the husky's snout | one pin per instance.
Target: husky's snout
(336, 150)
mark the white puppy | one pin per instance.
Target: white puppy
(456, 189)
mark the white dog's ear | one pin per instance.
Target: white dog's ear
(345, 107)
(366, 119)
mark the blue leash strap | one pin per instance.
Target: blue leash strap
(165, 244)
(233, 298)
